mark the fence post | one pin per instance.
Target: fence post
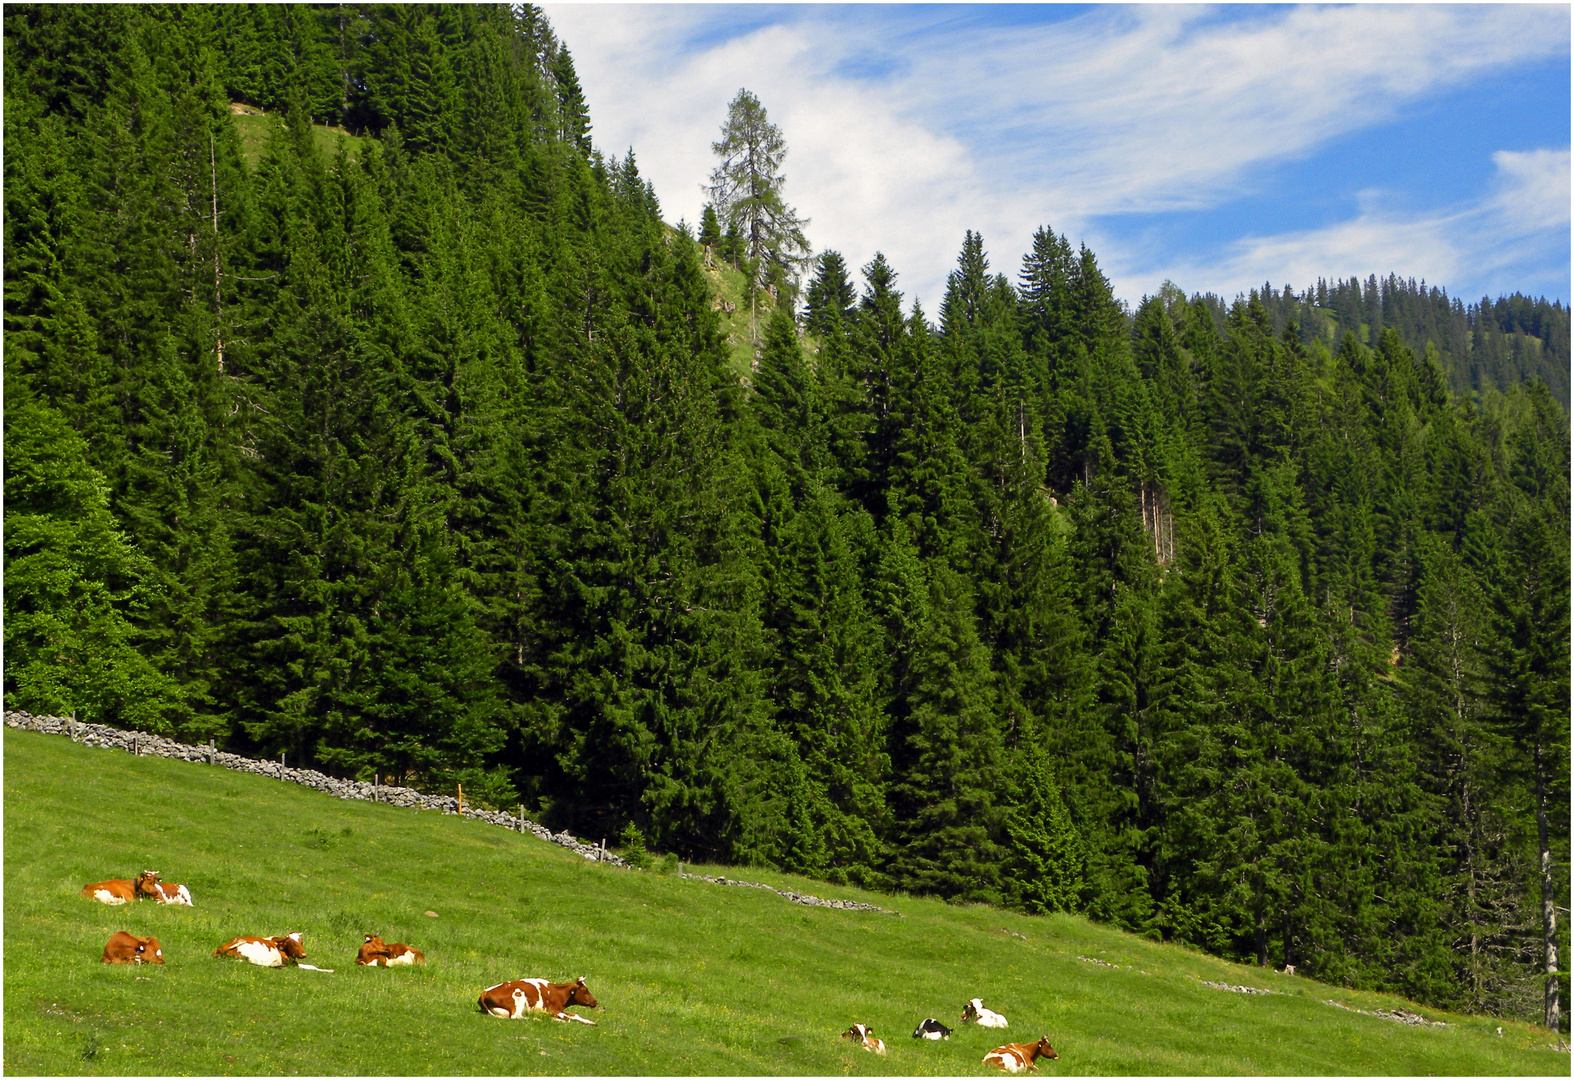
(374, 788)
(461, 789)
(281, 766)
(521, 817)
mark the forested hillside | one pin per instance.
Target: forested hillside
(424, 457)
(1481, 346)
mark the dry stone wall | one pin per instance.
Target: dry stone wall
(140, 742)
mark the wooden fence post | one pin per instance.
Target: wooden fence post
(521, 817)
(461, 789)
(281, 766)
(374, 788)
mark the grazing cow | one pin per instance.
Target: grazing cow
(274, 952)
(975, 1013)
(511, 1000)
(378, 953)
(863, 1035)
(124, 948)
(1015, 1057)
(932, 1029)
(121, 891)
(166, 893)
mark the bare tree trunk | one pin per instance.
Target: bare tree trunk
(218, 301)
(1549, 911)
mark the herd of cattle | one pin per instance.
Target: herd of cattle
(509, 1000)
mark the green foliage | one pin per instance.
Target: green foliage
(432, 451)
(710, 979)
(631, 844)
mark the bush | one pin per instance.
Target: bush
(634, 852)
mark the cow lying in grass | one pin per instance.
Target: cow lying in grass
(1017, 1057)
(932, 1030)
(273, 952)
(124, 948)
(975, 1013)
(378, 953)
(512, 1000)
(121, 891)
(166, 893)
(863, 1035)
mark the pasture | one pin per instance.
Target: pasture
(691, 978)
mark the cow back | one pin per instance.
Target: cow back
(125, 948)
(118, 891)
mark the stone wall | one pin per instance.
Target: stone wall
(139, 742)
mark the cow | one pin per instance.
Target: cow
(272, 952)
(512, 1000)
(932, 1029)
(863, 1035)
(166, 893)
(124, 948)
(121, 891)
(1015, 1057)
(975, 1013)
(378, 953)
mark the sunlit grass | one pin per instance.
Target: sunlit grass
(692, 978)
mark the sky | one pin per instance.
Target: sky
(1219, 148)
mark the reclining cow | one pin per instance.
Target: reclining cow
(166, 893)
(1018, 1057)
(274, 952)
(124, 948)
(932, 1030)
(975, 1013)
(512, 1000)
(378, 953)
(864, 1036)
(121, 891)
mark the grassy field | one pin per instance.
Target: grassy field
(257, 128)
(692, 978)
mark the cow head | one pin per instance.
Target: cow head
(148, 952)
(970, 1010)
(147, 883)
(1044, 1049)
(375, 939)
(579, 994)
(290, 945)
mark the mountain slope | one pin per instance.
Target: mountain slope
(692, 978)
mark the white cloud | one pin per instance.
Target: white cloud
(1490, 239)
(907, 126)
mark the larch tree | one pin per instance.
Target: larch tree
(746, 189)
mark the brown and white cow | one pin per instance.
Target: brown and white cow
(378, 953)
(166, 893)
(274, 952)
(864, 1036)
(124, 948)
(1017, 1057)
(975, 1013)
(512, 1000)
(121, 891)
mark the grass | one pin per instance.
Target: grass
(257, 128)
(693, 979)
(729, 285)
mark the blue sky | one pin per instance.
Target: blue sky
(1216, 147)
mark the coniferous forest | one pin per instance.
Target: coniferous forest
(419, 451)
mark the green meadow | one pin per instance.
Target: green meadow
(692, 978)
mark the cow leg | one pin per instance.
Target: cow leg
(565, 1016)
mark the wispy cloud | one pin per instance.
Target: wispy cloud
(908, 125)
(1522, 220)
